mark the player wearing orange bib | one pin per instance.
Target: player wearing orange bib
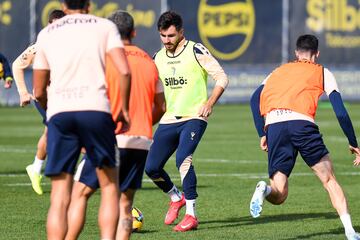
(146, 108)
(288, 100)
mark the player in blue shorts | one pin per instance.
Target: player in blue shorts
(147, 103)
(23, 61)
(288, 100)
(74, 50)
(183, 68)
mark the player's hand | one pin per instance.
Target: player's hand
(25, 99)
(124, 118)
(8, 82)
(355, 151)
(205, 110)
(263, 144)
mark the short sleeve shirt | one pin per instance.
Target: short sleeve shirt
(74, 49)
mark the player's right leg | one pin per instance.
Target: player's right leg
(124, 228)
(84, 186)
(56, 225)
(324, 170)
(132, 164)
(34, 170)
(166, 140)
(100, 145)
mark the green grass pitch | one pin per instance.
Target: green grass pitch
(228, 163)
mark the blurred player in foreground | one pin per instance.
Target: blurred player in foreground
(73, 49)
(22, 62)
(146, 109)
(183, 68)
(5, 71)
(288, 99)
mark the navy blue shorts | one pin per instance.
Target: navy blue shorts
(69, 131)
(41, 111)
(132, 164)
(286, 139)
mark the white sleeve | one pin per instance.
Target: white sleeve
(211, 65)
(40, 61)
(330, 84)
(24, 60)
(114, 38)
(265, 80)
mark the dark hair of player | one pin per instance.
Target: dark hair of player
(76, 4)
(124, 22)
(168, 19)
(307, 43)
(56, 14)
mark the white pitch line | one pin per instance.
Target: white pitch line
(214, 175)
(228, 161)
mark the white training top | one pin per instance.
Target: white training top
(281, 115)
(73, 48)
(24, 60)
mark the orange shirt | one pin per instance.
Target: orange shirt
(296, 86)
(144, 77)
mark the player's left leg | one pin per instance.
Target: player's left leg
(190, 136)
(324, 171)
(281, 159)
(63, 152)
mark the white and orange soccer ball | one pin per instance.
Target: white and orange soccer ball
(138, 219)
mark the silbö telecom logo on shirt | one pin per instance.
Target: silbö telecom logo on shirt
(222, 20)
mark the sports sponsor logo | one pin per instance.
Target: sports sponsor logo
(221, 21)
(174, 82)
(338, 20)
(142, 18)
(5, 17)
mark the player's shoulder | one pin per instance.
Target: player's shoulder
(28, 54)
(328, 75)
(162, 49)
(199, 48)
(133, 50)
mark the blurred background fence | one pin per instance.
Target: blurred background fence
(248, 37)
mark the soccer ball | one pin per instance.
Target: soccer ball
(138, 219)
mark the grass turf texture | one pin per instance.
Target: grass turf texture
(228, 162)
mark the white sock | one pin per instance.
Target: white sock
(190, 207)
(346, 221)
(267, 191)
(37, 165)
(174, 194)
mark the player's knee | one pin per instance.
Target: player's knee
(282, 196)
(184, 162)
(152, 172)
